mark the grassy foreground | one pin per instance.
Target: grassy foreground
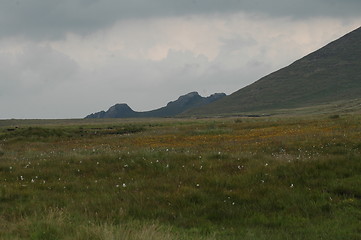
(264, 178)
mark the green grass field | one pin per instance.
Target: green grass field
(244, 178)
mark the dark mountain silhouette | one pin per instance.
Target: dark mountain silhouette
(332, 73)
(182, 104)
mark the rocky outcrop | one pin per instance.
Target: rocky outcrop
(182, 104)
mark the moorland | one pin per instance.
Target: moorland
(218, 178)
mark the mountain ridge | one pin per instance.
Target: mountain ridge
(173, 108)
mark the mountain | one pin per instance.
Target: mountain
(182, 104)
(332, 73)
(116, 111)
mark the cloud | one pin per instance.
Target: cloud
(39, 19)
(29, 68)
(64, 59)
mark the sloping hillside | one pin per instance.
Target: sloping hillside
(332, 73)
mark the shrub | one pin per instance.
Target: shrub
(1, 151)
(335, 116)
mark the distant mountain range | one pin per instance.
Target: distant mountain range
(181, 105)
(329, 75)
(332, 73)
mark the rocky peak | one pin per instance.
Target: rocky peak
(185, 99)
(182, 104)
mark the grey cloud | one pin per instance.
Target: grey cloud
(76, 76)
(34, 69)
(48, 64)
(52, 19)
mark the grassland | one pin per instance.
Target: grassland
(244, 178)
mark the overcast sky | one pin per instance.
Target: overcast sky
(70, 58)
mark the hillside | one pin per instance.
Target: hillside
(182, 104)
(332, 73)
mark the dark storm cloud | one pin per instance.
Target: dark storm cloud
(53, 18)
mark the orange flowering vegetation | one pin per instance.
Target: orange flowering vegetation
(235, 138)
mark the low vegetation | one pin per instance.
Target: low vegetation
(245, 178)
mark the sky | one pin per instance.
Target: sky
(70, 58)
